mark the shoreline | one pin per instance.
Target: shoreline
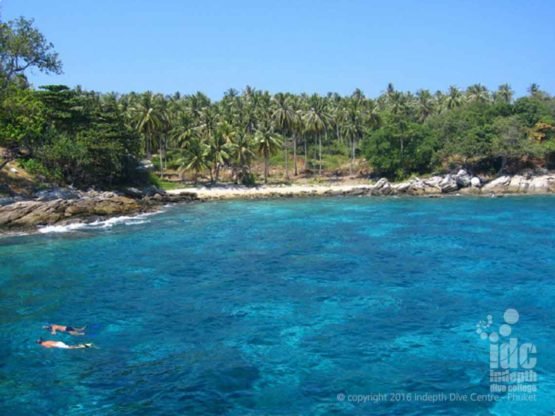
(103, 209)
(435, 187)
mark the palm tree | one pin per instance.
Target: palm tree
(454, 98)
(150, 119)
(284, 117)
(195, 157)
(425, 104)
(477, 93)
(534, 90)
(241, 154)
(504, 94)
(316, 120)
(220, 144)
(268, 143)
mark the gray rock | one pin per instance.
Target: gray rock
(153, 190)
(433, 181)
(57, 193)
(448, 184)
(497, 185)
(381, 183)
(133, 192)
(402, 187)
(475, 182)
(382, 187)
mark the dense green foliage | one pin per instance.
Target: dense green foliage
(84, 138)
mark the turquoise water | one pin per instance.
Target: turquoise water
(276, 307)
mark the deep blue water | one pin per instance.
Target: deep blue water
(276, 307)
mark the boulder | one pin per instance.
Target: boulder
(382, 187)
(517, 184)
(428, 187)
(462, 178)
(434, 181)
(402, 187)
(542, 185)
(153, 190)
(497, 185)
(475, 182)
(57, 193)
(133, 192)
(448, 184)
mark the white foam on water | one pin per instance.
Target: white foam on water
(99, 224)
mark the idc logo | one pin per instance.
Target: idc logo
(512, 363)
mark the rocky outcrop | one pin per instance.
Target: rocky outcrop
(465, 184)
(521, 184)
(28, 214)
(82, 206)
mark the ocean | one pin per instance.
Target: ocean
(344, 306)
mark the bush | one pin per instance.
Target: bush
(248, 179)
(35, 167)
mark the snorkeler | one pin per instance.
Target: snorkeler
(60, 344)
(62, 328)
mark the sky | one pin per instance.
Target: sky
(295, 46)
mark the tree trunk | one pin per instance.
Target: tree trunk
(319, 155)
(286, 160)
(295, 154)
(161, 160)
(266, 169)
(4, 163)
(217, 172)
(148, 148)
(352, 157)
(305, 154)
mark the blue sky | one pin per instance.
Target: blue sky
(296, 46)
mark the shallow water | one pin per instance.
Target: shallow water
(278, 307)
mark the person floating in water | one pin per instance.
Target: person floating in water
(63, 328)
(60, 344)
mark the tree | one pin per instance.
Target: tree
(284, 118)
(316, 120)
(510, 140)
(268, 143)
(382, 150)
(151, 120)
(220, 147)
(477, 93)
(196, 157)
(425, 105)
(504, 94)
(242, 155)
(454, 98)
(22, 47)
(22, 123)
